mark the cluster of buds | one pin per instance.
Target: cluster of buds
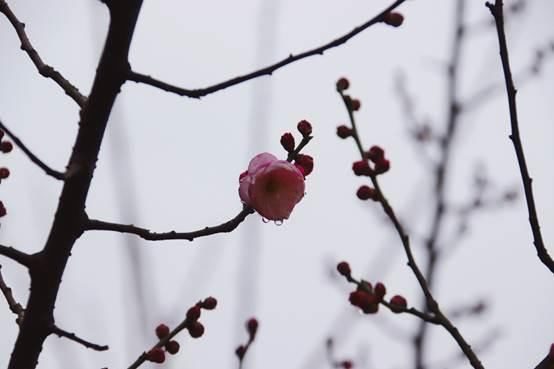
(367, 297)
(5, 147)
(191, 323)
(304, 163)
(351, 103)
(251, 329)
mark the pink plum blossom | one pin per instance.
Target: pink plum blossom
(271, 186)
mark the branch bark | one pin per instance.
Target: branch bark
(70, 216)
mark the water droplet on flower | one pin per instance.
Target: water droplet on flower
(265, 220)
(278, 223)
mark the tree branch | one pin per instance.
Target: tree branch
(51, 172)
(16, 255)
(73, 337)
(198, 93)
(98, 225)
(44, 69)
(14, 306)
(542, 252)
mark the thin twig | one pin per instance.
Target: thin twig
(73, 337)
(98, 225)
(16, 255)
(542, 252)
(432, 304)
(44, 69)
(51, 172)
(14, 306)
(413, 311)
(198, 93)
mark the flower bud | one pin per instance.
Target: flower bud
(252, 327)
(306, 162)
(346, 364)
(398, 303)
(393, 19)
(6, 146)
(305, 128)
(196, 329)
(3, 211)
(172, 347)
(156, 355)
(380, 290)
(366, 193)
(4, 173)
(194, 313)
(287, 141)
(344, 131)
(382, 166)
(375, 154)
(162, 330)
(361, 168)
(344, 268)
(355, 104)
(342, 84)
(209, 303)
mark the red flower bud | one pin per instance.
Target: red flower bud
(375, 154)
(344, 131)
(162, 330)
(342, 84)
(209, 303)
(346, 364)
(357, 298)
(194, 313)
(393, 19)
(380, 290)
(366, 192)
(4, 173)
(398, 303)
(382, 166)
(156, 355)
(240, 351)
(305, 128)
(306, 162)
(344, 268)
(172, 347)
(6, 146)
(252, 327)
(3, 211)
(196, 329)
(355, 104)
(361, 168)
(287, 141)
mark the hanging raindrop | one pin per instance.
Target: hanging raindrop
(278, 223)
(265, 220)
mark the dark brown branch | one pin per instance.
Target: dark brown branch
(198, 93)
(69, 217)
(51, 172)
(432, 304)
(542, 252)
(44, 69)
(413, 311)
(230, 225)
(14, 306)
(16, 255)
(73, 337)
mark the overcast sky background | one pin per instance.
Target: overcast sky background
(173, 163)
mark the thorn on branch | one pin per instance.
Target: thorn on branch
(14, 306)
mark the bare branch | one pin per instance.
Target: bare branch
(230, 225)
(15, 307)
(542, 252)
(51, 172)
(71, 336)
(413, 311)
(198, 93)
(44, 69)
(16, 255)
